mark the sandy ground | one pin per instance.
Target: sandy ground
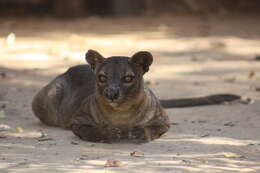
(193, 56)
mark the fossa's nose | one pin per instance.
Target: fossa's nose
(112, 93)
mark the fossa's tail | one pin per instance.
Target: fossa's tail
(199, 101)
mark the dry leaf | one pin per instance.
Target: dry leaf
(45, 139)
(251, 74)
(232, 155)
(217, 44)
(10, 39)
(188, 162)
(2, 114)
(114, 163)
(28, 83)
(3, 136)
(246, 100)
(137, 154)
(205, 161)
(148, 82)
(18, 130)
(232, 79)
(4, 127)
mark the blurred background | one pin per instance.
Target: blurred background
(80, 8)
(39, 30)
(200, 47)
(191, 40)
(180, 33)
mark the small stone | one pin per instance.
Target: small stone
(137, 154)
(114, 163)
(74, 143)
(230, 124)
(203, 136)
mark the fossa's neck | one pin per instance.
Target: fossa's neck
(126, 114)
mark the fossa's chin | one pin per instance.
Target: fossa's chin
(113, 104)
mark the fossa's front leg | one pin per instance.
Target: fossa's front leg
(148, 133)
(97, 134)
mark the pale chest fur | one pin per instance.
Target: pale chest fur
(133, 116)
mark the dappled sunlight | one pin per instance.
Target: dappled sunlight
(219, 141)
(75, 47)
(186, 162)
(186, 63)
(230, 161)
(204, 70)
(73, 44)
(26, 134)
(195, 161)
(224, 168)
(29, 56)
(21, 146)
(4, 165)
(241, 46)
(27, 82)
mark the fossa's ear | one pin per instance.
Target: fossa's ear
(94, 58)
(143, 59)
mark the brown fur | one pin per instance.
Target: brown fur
(79, 100)
(108, 101)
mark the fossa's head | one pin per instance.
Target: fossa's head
(119, 79)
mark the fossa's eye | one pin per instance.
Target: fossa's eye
(128, 78)
(102, 78)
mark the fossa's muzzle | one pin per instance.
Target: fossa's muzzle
(112, 93)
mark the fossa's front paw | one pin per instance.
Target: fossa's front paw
(141, 135)
(89, 133)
